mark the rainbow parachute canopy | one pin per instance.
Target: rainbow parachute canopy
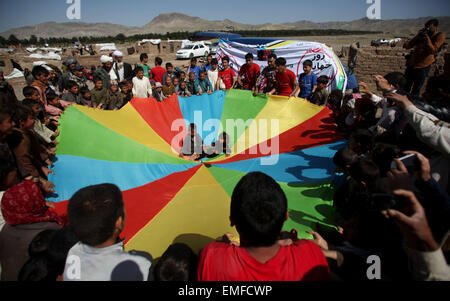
(169, 199)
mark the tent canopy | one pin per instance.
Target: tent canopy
(216, 34)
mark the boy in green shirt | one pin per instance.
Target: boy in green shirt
(98, 94)
(144, 60)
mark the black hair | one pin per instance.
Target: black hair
(21, 113)
(122, 84)
(93, 212)
(58, 248)
(226, 58)
(307, 63)
(272, 56)
(138, 69)
(51, 95)
(193, 59)
(178, 263)
(143, 56)
(281, 61)
(38, 71)
(35, 269)
(396, 79)
(5, 111)
(363, 138)
(70, 84)
(434, 22)
(383, 154)
(84, 90)
(323, 79)
(6, 166)
(214, 61)
(249, 56)
(28, 91)
(96, 79)
(40, 242)
(343, 157)
(158, 61)
(365, 171)
(258, 209)
(169, 65)
(29, 102)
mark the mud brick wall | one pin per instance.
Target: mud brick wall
(382, 60)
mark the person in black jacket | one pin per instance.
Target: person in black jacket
(121, 71)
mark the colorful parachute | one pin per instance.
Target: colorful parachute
(169, 199)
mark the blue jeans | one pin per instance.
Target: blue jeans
(415, 78)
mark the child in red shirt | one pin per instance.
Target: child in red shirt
(250, 71)
(227, 75)
(286, 84)
(258, 210)
(157, 73)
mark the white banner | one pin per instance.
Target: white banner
(325, 61)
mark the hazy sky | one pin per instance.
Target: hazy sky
(18, 13)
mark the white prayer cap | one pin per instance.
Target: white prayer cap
(104, 59)
(118, 53)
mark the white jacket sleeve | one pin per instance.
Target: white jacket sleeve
(428, 266)
(377, 100)
(430, 129)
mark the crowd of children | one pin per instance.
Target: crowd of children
(392, 200)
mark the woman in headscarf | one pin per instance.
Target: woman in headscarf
(26, 214)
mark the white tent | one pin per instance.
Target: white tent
(46, 56)
(15, 74)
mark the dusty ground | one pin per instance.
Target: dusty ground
(336, 42)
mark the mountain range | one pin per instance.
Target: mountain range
(174, 22)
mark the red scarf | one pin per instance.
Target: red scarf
(25, 204)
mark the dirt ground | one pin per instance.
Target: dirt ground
(336, 42)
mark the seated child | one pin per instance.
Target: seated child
(168, 88)
(192, 148)
(183, 90)
(219, 147)
(97, 217)
(191, 84)
(258, 210)
(158, 93)
(98, 93)
(73, 94)
(182, 76)
(320, 96)
(203, 83)
(178, 263)
(114, 98)
(45, 134)
(25, 144)
(175, 82)
(126, 92)
(87, 96)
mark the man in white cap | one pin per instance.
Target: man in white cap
(104, 71)
(120, 71)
